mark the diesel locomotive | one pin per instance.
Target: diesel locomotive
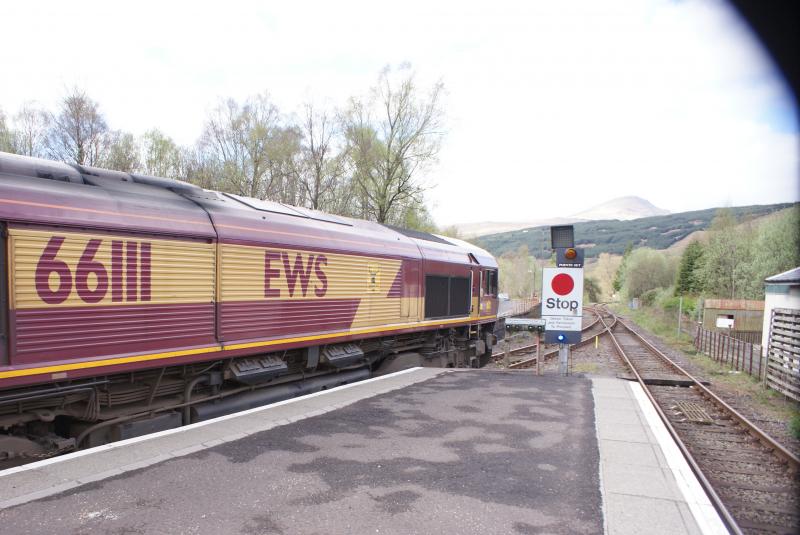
(132, 303)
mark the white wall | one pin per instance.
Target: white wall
(777, 300)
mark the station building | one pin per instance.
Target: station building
(740, 318)
(782, 292)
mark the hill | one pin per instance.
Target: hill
(612, 236)
(620, 208)
(473, 230)
(624, 208)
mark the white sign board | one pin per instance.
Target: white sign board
(562, 323)
(562, 292)
(724, 323)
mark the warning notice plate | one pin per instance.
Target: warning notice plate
(562, 323)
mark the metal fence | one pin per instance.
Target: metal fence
(754, 337)
(517, 307)
(738, 354)
(783, 352)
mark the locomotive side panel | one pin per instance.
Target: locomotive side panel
(79, 295)
(270, 292)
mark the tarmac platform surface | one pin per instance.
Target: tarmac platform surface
(421, 451)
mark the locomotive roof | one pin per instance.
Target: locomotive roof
(35, 190)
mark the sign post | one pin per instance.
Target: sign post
(562, 295)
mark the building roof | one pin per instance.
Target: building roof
(787, 277)
(733, 304)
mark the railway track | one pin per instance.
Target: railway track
(752, 480)
(596, 328)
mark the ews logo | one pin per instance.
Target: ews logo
(297, 274)
(127, 278)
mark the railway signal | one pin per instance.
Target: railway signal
(562, 294)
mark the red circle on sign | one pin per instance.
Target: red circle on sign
(562, 284)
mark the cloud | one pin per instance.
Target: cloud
(552, 106)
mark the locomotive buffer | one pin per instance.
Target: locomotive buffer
(562, 294)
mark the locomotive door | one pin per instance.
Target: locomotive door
(477, 288)
(4, 301)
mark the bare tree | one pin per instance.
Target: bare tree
(323, 163)
(6, 135)
(237, 139)
(393, 137)
(199, 169)
(31, 125)
(78, 132)
(284, 165)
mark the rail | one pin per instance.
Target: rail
(782, 453)
(586, 338)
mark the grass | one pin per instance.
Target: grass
(586, 367)
(665, 327)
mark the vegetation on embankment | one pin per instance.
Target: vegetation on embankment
(613, 236)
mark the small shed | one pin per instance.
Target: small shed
(733, 315)
(782, 291)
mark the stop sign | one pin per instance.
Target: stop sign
(562, 292)
(562, 284)
(562, 304)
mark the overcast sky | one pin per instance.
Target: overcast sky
(552, 107)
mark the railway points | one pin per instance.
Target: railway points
(420, 451)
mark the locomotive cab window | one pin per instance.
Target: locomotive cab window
(490, 282)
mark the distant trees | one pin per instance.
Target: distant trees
(689, 280)
(367, 160)
(237, 138)
(726, 257)
(121, 154)
(605, 273)
(324, 157)
(6, 135)
(161, 156)
(517, 271)
(31, 130)
(619, 278)
(646, 269)
(393, 136)
(731, 264)
(739, 256)
(78, 132)
(591, 290)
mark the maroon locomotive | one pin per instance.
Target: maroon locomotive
(131, 303)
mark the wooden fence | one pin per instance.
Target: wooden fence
(739, 355)
(783, 352)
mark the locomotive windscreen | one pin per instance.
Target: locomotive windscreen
(446, 296)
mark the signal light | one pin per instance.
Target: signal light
(561, 337)
(570, 254)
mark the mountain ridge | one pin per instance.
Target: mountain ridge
(622, 208)
(613, 236)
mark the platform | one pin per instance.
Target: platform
(420, 451)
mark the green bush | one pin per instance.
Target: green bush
(669, 303)
(648, 298)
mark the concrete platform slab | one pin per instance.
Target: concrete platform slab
(465, 452)
(421, 451)
(647, 485)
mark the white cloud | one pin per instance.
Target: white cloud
(548, 103)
